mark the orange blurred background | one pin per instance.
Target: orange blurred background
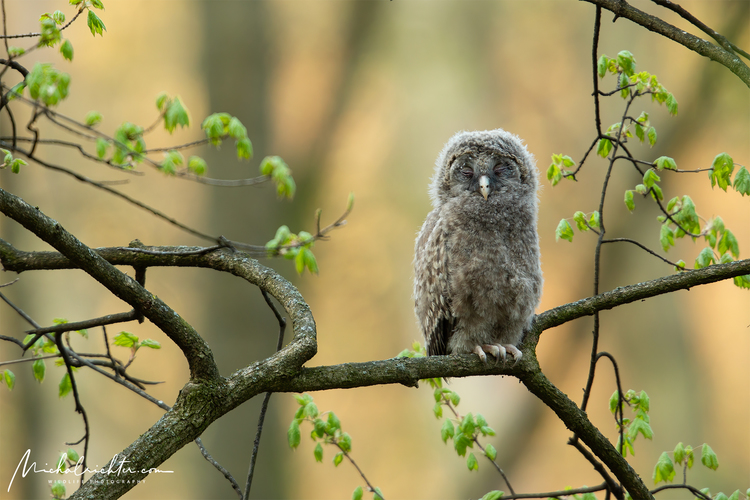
(360, 97)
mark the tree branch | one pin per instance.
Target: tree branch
(201, 402)
(728, 59)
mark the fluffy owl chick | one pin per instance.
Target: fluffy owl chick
(478, 278)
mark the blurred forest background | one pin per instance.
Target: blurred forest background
(360, 96)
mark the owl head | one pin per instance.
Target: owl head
(486, 165)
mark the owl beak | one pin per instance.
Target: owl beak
(484, 186)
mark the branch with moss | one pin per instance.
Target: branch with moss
(206, 398)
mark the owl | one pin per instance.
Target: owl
(477, 270)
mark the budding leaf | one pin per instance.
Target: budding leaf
(564, 231)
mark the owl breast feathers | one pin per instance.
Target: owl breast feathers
(477, 274)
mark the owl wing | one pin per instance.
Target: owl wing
(431, 285)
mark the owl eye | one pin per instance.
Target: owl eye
(467, 172)
(501, 168)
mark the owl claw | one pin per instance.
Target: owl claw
(479, 352)
(498, 351)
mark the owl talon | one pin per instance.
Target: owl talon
(514, 352)
(479, 352)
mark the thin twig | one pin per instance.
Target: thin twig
(634, 242)
(218, 466)
(264, 406)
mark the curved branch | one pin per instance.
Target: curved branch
(195, 348)
(728, 59)
(201, 402)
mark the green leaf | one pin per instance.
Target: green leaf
(708, 457)
(671, 104)
(614, 401)
(447, 431)
(95, 24)
(66, 49)
(333, 421)
(338, 458)
(150, 343)
(161, 100)
(639, 426)
(601, 70)
(494, 494)
(471, 462)
(197, 165)
(564, 231)
(236, 129)
(629, 200)
(680, 265)
(318, 452)
(595, 220)
(345, 442)
(311, 410)
(742, 182)
(126, 339)
(666, 237)
(554, 175)
(15, 165)
(460, 443)
(679, 453)
(10, 379)
(101, 147)
(176, 114)
(65, 385)
(293, 434)
(357, 494)
(665, 162)
(490, 452)
(58, 489)
(729, 243)
(39, 368)
(377, 494)
(244, 149)
(721, 170)
(735, 495)
(580, 220)
(604, 147)
(93, 118)
(97, 4)
(626, 61)
(705, 258)
(650, 178)
(651, 135)
(664, 470)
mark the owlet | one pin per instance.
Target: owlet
(478, 278)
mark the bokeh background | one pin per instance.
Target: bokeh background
(360, 96)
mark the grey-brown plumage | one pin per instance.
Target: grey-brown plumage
(478, 278)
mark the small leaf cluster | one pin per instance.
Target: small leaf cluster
(297, 247)
(173, 111)
(129, 145)
(66, 460)
(683, 220)
(15, 164)
(559, 168)
(132, 342)
(44, 346)
(280, 174)
(92, 20)
(463, 430)
(683, 456)
(721, 171)
(326, 431)
(582, 221)
(631, 83)
(220, 126)
(639, 403)
(45, 84)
